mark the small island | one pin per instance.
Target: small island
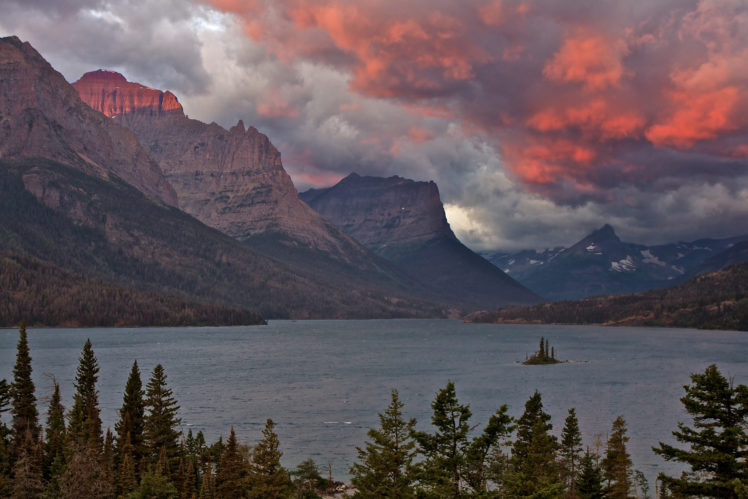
(542, 356)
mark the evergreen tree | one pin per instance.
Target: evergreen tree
(127, 476)
(444, 451)
(571, 450)
(5, 439)
(107, 459)
(478, 459)
(54, 446)
(231, 478)
(589, 482)
(208, 485)
(84, 474)
(154, 486)
(267, 478)
(718, 440)
(189, 481)
(28, 481)
(25, 416)
(533, 462)
(129, 427)
(385, 464)
(617, 462)
(85, 421)
(308, 480)
(161, 421)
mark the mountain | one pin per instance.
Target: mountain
(404, 221)
(232, 180)
(79, 193)
(601, 263)
(42, 116)
(716, 300)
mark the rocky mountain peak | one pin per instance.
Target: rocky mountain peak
(42, 116)
(110, 93)
(381, 212)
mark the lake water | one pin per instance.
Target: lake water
(324, 382)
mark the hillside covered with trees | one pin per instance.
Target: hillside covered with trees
(147, 456)
(717, 300)
(47, 295)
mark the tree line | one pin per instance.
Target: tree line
(146, 456)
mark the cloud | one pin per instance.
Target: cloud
(538, 121)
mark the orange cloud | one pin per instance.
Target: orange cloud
(589, 58)
(697, 117)
(545, 160)
(597, 119)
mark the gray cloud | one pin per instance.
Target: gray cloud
(453, 133)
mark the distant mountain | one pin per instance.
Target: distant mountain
(234, 181)
(79, 193)
(716, 300)
(42, 116)
(404, 221)
(601, 264)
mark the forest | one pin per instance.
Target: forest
(147, 456)
(717, 300)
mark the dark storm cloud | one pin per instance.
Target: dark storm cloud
(538, 121)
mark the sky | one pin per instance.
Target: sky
(539, 120)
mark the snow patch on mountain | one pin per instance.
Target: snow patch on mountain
(650, 258)
(625, 265)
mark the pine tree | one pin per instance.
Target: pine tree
(571, 450)
(54, 446)
(589, 482)
(5, 439)
(161, 421)
(385, 464)
(267, 478)
(478, 461)
(28, 481)
(444, 451)
(307, 479)
(154, 486)
(718, 440)
(208, 485)
(617, 462)
(85, 422)
(107, 459)
(189, 483)
(84, 475)
(129, 427)
(127, 477)
(25, 416)
(533, 462)
(232, 470)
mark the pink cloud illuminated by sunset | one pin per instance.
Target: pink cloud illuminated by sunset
(562, 93)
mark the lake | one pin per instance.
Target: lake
(324, 382)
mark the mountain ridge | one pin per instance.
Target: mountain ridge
(404, 221)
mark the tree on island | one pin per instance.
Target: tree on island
(545, 354)
(718, 441)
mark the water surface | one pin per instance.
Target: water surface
(323, 382)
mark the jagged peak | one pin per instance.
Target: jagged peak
(239, 127)
(603, 233)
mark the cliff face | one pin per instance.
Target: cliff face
(41, 115)
(404, 221)
(232, 180)
(384, 214)
(110, 93)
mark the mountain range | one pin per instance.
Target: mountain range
(601, 263)
(109, 181)
(404, 221)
